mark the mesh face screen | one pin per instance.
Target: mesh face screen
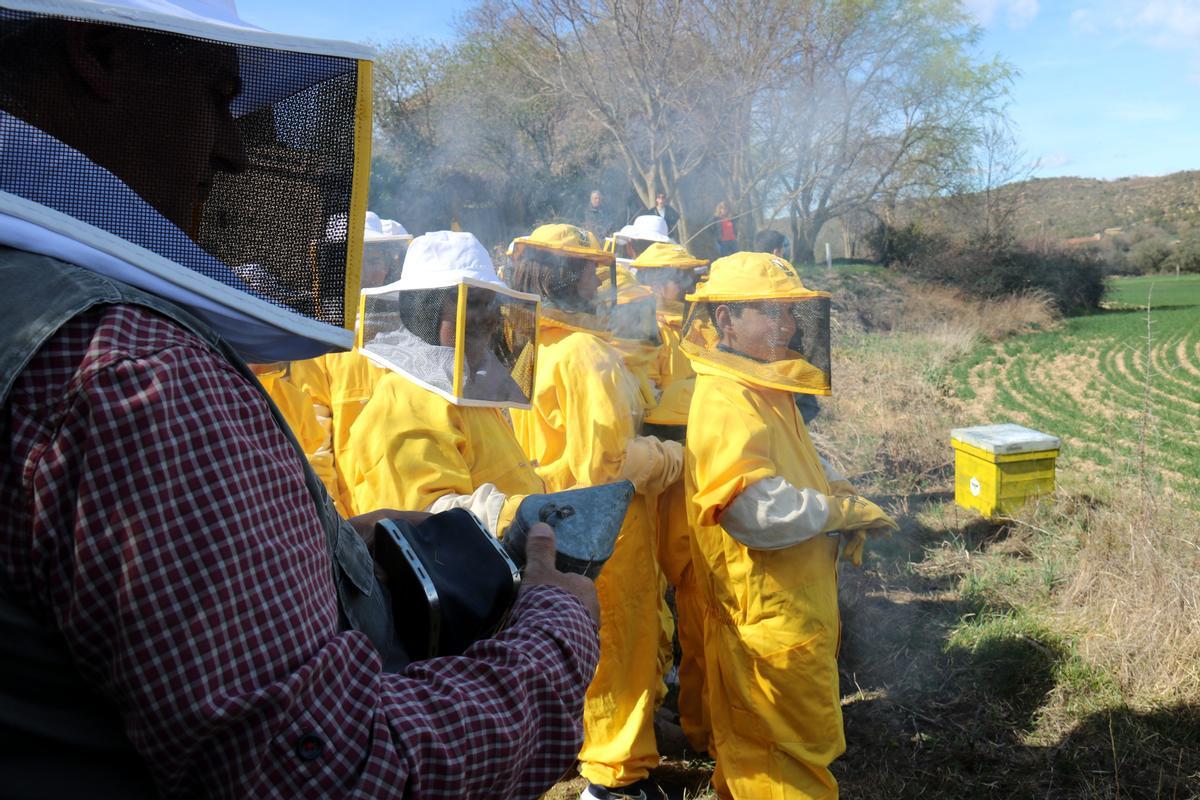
(249, 152)
(811, 339)
(417, 334)
(805, 368)
(383, 261)
(500, 350)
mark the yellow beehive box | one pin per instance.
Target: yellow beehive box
(998, 467)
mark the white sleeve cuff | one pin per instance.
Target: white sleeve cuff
(772, 514)
(485, 503)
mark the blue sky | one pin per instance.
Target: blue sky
(1108, 88)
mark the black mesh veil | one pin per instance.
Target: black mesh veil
(811, 339)
(270, 205)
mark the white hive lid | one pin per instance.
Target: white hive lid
(1005, 440)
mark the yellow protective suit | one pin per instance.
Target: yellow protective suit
(297, 408)
(410, 447)
(340, 385)
(675, 558)
(672, 365)
(771, 634)
(578, 432)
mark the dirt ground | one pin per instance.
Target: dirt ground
(924, 719)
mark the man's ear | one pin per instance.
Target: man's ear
(92, 55)
(723, 319)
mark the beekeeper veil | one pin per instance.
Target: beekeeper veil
(771, 286)
(385, 244)
(450, 326)
(574, 277)
(213, 164)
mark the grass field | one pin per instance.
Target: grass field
(1121, 388)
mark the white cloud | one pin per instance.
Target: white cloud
(1084, 21)
(1164, 24)
(1160, 24)
(1016, 13)
(1144, 111)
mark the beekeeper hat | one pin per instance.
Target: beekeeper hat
(379, 230)
(648, 228)
(745, 277)
(302, 117)
(567, 240)
(446, 258)
(662, 255)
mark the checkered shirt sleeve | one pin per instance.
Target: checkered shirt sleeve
(160, 520)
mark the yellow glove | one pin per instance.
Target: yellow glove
(855, 512)
(853, 543)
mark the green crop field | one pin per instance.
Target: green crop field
(1120, 388)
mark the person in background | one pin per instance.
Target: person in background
(182, 612)
(661, 209)
(724, 230)
(596, 216)
(423, 441)
(582, 431)
(771, 242)
(765, 513)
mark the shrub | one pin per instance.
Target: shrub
(1149, 255)
(994, 267)
(1185, 257)
(905, 245)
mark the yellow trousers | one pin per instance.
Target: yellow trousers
(618, 713)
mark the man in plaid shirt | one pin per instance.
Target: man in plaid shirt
(169, 622)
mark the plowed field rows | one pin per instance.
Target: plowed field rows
(1116, 387)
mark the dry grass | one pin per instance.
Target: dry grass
(929, 309)
(887, 425)
(1134, 596)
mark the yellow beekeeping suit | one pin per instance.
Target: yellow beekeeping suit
(410, 447)
(771, 636)
(672, 364)
(340, 385)
(297, 409)
(585, 407)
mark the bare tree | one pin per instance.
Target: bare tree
(883, 102)
(635, 67)
(992, 191)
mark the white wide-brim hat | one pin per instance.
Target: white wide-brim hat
(648, 228)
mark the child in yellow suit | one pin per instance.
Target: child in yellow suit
(765, 512)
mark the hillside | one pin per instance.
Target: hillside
(1073, 207)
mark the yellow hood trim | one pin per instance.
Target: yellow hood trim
(793, 374)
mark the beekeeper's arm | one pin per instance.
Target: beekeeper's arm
(652, 464)
(739, 484)
(772, 514)
(595, 408)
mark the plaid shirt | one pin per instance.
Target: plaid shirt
(158, 518)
